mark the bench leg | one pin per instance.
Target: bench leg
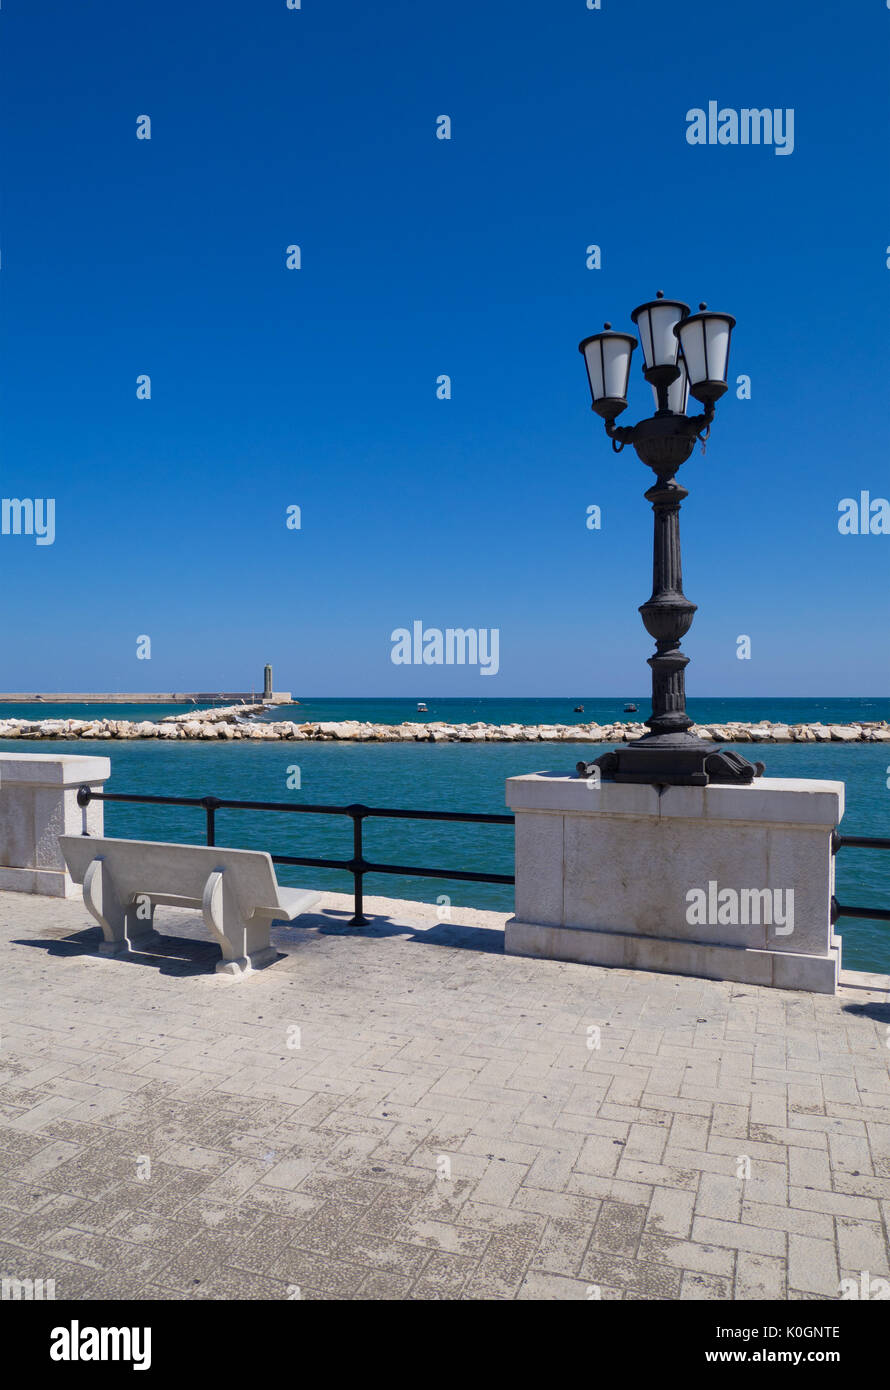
(245, 946)
(258, 945)
(139, 923)
(124, 925)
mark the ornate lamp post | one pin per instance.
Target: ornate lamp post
(682, 353)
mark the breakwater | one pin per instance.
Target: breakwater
(234, 724)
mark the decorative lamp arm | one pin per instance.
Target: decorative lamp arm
(701, 424)
(619, 434)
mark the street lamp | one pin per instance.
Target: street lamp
(683, 354)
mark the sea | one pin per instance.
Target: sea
(453, 776)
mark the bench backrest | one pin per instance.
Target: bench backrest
(181, 871)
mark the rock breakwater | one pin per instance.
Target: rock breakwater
(232, 724)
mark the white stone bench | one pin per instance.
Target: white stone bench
(236, 890)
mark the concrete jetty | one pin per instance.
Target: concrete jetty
(151, 697)
(144, 697)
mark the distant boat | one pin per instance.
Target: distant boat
(579, 709)
(421, 708)
(630, 709)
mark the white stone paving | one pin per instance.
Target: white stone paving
(452, 1124)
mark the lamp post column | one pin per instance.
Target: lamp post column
(668, 614)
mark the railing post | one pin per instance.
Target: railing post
(357, 866)
(84, 797)
(210, 804)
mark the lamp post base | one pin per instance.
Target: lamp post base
(672, 760)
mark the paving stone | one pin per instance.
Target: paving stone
(705, 1286)
(686, 1254)
(738, 1237)
(719, 1196)
(786, 1218)
(861, 1245)
(440, 1235)
(501, 1270)
(835, 1203)
(759, 1276)
(644, 1277)
(500, 1182)
(562, 1246)
(326, 1229)
(812, 1265)
(383, 1284)
(808, 1167)
(444, 1276)
(618, 1227)
(670, 1211)
(540, 1287)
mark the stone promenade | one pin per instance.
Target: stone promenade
(403, 1112)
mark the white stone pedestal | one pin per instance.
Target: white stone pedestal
(622, 874)
(38, 803)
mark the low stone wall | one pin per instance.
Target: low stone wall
(38, 803)
(232, 725)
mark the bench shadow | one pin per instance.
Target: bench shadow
(485, 939)
(180, 955)
(875, 1009)
(170, 955)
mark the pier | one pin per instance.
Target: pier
(152, 697)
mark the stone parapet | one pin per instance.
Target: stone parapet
(724, 882)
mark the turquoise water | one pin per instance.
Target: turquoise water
(443, 777)
(597, 709)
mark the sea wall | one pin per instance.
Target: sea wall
(231, 724)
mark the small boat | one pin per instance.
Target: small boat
(421, 708)
(630, 709)
(579, 709)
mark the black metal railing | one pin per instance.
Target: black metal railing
(875, 914)
(358, 865)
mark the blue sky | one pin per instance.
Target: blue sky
(420, 257)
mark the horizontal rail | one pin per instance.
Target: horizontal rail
(839, 841)
(369, 867)
(358, 865)
(86, 795)
(868, 914)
